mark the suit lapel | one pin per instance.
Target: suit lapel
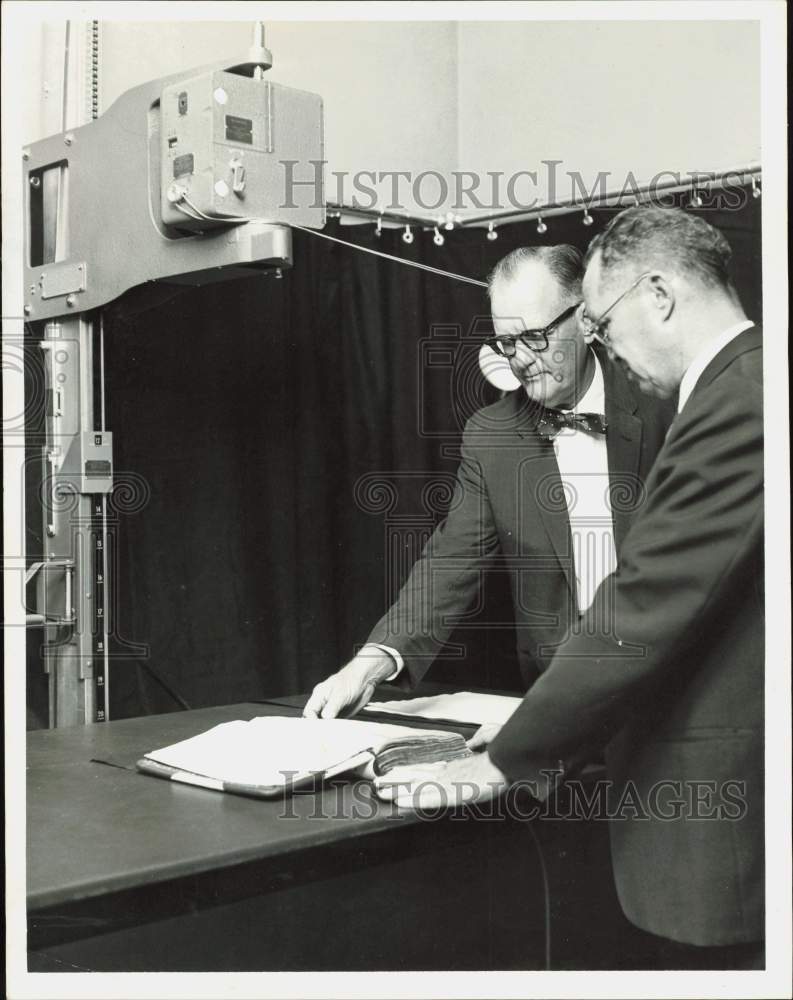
(623, 447)
(749, 340)
(541, 485)
(541, 492)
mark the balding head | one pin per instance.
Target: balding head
(563, 263)
(529, 290)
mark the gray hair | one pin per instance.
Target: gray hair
(564, 262)
(650, 236)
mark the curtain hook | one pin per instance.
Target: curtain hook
(407, 236)
(541, 227)
(438, 239)
(379, 227)
(587, 220)
(696, 198)
(756, 188)
(491, 231)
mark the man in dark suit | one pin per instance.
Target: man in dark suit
(672, 686)
(549, 502)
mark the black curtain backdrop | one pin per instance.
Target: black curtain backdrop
(283, 446)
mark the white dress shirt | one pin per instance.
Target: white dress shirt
(704, 358)
(584, 471)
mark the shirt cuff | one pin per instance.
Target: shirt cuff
(395, 656)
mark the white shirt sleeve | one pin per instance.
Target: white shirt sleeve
(395, 656)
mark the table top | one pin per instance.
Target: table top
(95, 828)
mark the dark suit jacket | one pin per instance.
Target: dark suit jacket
(677, 674)
(509, 509)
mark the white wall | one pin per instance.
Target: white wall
(616, 96)
(613, 96)
(389, 88)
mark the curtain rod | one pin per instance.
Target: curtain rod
(420, 221)
(701, 181)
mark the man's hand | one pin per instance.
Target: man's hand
(433, 786)
(347, 691)
(484, 735)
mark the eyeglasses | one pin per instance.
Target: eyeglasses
(597, 328)
(535, 340)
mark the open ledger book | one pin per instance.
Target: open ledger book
(274, 754)
(461, 706)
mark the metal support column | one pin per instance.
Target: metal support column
(72, 586)
(153, 190)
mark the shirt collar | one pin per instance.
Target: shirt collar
(594, 399)
(704, 358)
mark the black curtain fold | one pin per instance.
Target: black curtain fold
(252, 408)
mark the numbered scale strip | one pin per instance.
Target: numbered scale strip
(99, 630)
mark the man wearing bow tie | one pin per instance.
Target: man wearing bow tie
(667, 674)
(550, 479)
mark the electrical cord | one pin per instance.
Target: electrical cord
(163, 684)
(388, 256)
(546, 893)
(325, 236)
(188, 213)
(203, 215)
(546, 890)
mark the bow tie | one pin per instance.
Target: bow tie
(550, 422)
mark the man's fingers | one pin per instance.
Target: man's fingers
(332, 697)
(399, 782)
(316, 702)
(347, 691)
(484, 735)
(390, 790)
(424, 792)
(336, 700)
(363, 699)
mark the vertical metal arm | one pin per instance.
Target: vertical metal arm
(77, 461)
